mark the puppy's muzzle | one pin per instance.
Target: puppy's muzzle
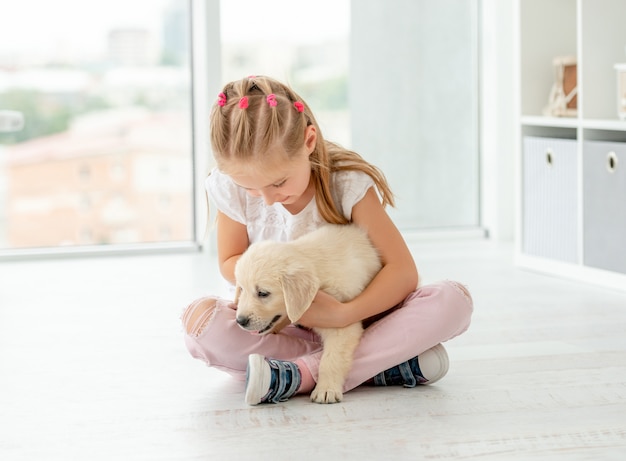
(243, 321)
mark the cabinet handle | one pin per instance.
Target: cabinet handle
(611, 162)
(549, 157)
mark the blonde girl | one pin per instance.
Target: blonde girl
(278, 178)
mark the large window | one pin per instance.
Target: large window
(105, 153)
(105, 156)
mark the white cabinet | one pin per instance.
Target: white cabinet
(572, 197)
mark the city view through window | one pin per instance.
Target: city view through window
(105, 152)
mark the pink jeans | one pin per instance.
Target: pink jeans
(430, 315)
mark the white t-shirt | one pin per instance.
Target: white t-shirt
(274, 222)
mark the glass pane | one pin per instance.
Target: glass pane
(301, 43)
(105, 153)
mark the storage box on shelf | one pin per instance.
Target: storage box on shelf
(604, 205)
(550, 204)
(572, 202)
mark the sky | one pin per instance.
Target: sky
(37, 24)
(295, 20)
(73, 26)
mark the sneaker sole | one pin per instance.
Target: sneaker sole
(441, 356)
(258, 379)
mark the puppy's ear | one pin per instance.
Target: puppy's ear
(299, 289)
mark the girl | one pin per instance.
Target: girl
(277, 178)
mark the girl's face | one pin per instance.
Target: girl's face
(277, 180)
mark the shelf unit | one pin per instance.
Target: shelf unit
(572, 182)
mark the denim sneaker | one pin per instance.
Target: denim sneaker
(270, 381)
(427, 368)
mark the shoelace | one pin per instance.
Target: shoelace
(409, 377)
(285, 374)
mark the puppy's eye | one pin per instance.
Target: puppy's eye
(262, 294)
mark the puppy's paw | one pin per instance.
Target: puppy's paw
(326, 395)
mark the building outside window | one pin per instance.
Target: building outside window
(106, 97)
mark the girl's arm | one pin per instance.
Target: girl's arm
(397, 278)
(232, 241)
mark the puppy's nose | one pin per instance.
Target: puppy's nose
(243, 321)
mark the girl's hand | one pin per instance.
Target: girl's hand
(324, 312)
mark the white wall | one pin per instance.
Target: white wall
(414, 106)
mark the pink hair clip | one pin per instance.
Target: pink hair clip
(271, 100)
(299, 106)
(221, 99)
(243, 103)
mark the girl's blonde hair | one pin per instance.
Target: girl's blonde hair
(255, 113)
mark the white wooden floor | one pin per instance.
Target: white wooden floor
(93, 367)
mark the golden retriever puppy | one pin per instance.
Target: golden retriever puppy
(277, 281)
